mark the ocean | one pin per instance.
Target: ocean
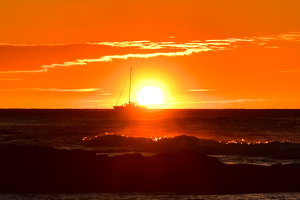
(261, 137)
(150, 196)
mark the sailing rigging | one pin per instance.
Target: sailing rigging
(130, 106)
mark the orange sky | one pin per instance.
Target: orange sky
(202, 54)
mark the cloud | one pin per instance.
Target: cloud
(63, 90)
(230, 40)
(239, 100)
(134, 49)
(162, 45)
(98, 101)
(112, 57)
(225, 101)
(51, 90)
(10, 79)
(164, 48)
(105, 94)
(291, 36)
(200, 90)
(44, 69)
(289, 71)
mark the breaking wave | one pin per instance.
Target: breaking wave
(112, 142)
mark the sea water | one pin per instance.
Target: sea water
(234, 136)
(261, 137)
(148, 196)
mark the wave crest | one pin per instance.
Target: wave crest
(276, 149)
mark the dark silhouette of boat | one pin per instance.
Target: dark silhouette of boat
(130, 107)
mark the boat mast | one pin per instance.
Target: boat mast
(130, 84)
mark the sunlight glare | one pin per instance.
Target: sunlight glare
(150, 95)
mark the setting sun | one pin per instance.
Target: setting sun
(150, 95)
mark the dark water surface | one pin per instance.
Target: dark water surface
(234, 136)
(259, 137)
(148, 196)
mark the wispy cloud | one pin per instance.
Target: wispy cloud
(165, 48)
(112, 57)
(239, 100)
(200, 90)
(34, 45)
(109, 58)
(64, 90)
(105, 94)
(51, 90)
(10, 79)
(164, 45)
(225, 101)
(44, 69)
(98, 101)
(290, 71)
(230, 40)
(291, 36)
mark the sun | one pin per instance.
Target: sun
(150, 95)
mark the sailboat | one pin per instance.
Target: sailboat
(130, 107)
